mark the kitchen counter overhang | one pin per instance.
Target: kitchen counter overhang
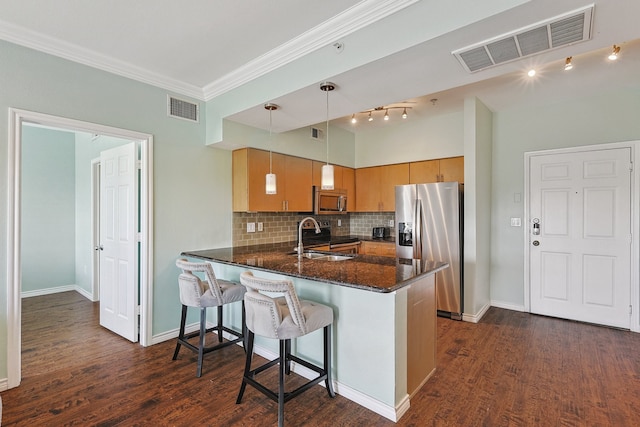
(366, 272)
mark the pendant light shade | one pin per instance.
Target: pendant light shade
(270, 179)
(327, 170)
(271, 187)
(327, 177)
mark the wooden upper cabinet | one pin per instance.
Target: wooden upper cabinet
(375, 187)
(391, 176)
(452, 169)
(424, 171)
(293, 179)
(438, 170)
(298, 194)
(349, 184)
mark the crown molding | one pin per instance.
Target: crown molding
(349, 21)
(34, 40)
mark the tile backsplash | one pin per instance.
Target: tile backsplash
(362, 223)
(282, 227)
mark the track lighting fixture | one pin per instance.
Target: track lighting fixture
(614, 53)
(567, 64)
(370, 113)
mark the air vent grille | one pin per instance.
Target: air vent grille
(317, 134)
(560, 31)
(182, 109)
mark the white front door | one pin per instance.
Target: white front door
(580, 235)
(118, 242)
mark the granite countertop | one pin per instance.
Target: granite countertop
(367, 272)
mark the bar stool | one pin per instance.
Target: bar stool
(283, 318)
(211, 292)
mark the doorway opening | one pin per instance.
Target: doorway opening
(18, 118)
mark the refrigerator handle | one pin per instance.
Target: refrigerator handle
(417, 230)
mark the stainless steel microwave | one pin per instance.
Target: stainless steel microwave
(329, 202)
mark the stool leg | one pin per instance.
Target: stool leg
(203, 328)
(219, 328)
(283, 367)
(327, 360)
(183, 321)
(244, 328)
(287, 347)
(247, 365)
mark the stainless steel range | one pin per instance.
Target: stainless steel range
(310, 237)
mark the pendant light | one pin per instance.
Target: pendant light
(327, 170)
(270, 187)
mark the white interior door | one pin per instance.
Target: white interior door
(580, 252)
(118, 242)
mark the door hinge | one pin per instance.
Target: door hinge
(631, 166)
(139, 237)
(137, 310)
(630, 310)
(139, 164)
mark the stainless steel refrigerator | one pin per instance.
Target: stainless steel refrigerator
(429, 227)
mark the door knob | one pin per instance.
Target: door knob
(99, 248)
(536, 243)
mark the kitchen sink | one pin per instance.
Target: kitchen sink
(323, 256)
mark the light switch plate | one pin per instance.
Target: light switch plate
(390, 223)
(260, 226)
(516, 222)
(339, 223)
(251, 227)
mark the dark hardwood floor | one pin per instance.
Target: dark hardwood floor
(511, 369)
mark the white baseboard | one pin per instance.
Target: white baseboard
(56, 290)
(88, 295)
(4, 384)
(343, 390)
(507, 306)
(475, 318)
(48, 291)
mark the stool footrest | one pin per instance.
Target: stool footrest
(183, 341)
(250, 378)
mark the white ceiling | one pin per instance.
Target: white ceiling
(203, 48)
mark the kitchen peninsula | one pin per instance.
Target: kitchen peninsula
(384, 317)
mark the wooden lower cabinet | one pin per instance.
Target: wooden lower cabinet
(421, 332)
(378, 248)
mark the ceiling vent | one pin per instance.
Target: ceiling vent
(182, 109)
(572, 27)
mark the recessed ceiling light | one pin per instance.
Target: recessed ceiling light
(614, 53)
(567, 64)
(531, 72)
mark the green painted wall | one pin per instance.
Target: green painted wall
(48, 209)
(192, 182)
(609, 117)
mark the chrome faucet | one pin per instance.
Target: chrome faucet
(300, 248)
